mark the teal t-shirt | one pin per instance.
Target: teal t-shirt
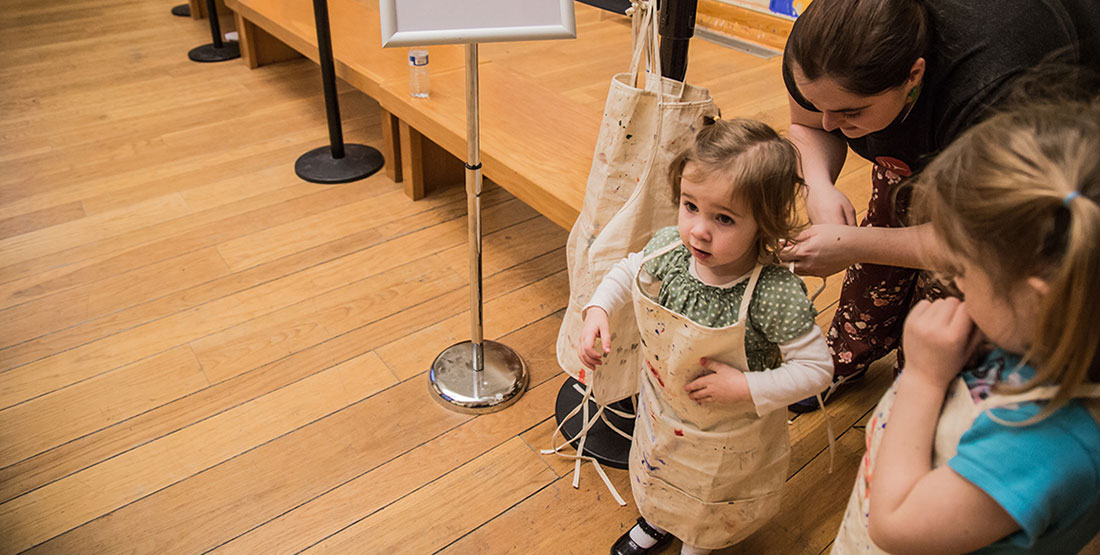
(1046, 475)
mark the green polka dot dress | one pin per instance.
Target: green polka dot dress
(780, 310)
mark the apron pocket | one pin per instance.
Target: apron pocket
(747, 462)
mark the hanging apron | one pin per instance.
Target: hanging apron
(710, 473)
(647, 121)
(956, 417)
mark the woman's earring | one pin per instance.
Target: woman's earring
(912, 95)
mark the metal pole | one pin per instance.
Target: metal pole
(337, 162)
(676, 27)
(476, 376)
(218, 51)
(215, 26)
(328, 77)
(473, 205)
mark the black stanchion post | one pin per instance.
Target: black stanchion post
(219, 51)
(676, 27)
(336, 163)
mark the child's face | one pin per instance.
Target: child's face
(719, 232)
(1007, 318)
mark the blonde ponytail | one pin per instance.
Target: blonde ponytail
(1068, 334)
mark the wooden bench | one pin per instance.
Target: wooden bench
(198, 8)
(540, 102)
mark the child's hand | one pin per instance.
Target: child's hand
(939, 338)
(725, 385)
(595, 326)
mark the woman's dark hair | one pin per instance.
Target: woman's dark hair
(866, 46)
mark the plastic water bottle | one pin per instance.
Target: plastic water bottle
(418, 73)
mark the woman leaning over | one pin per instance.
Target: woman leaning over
(897, 81)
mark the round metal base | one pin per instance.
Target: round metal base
(318, 165)
(455, 385)
(182, 10)
(603, 443)
(209, 53)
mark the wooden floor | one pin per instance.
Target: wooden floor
(200, 352)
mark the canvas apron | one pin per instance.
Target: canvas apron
(711, 473)
(956, 417)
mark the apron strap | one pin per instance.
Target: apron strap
(746, 299)
(642, 18)
(663, 250)
(1040, 393)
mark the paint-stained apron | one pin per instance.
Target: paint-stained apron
(708, 473)
(956, 417)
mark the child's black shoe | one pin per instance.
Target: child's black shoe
(626, 546)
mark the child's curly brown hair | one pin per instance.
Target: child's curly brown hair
(762, 166)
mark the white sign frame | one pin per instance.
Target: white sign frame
(473, 21)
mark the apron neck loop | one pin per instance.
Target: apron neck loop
(746, 299)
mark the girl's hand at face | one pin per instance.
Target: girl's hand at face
(939, 338)
(595, 327)
(821, 250)
(725, 385)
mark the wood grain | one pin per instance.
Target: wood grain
(199, 351)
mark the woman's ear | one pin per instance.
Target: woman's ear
(916, 73)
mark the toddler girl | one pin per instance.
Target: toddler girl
(1004, 456)
(728, 341)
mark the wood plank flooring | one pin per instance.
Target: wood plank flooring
(199, 352)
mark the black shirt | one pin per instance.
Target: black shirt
(978, 47)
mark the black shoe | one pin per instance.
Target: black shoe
(626, 546)
(810, 404)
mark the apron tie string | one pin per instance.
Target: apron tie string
(832, 387)
(828, 431)
(582, 435)
(609, 409)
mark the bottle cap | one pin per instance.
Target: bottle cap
(418, 57)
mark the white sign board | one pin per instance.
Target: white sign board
(424, 22)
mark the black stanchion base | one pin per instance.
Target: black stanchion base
(182, 10)
(210, 53)
(603, 443)
(318, 165)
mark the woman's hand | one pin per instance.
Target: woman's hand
(595, 327)
(827, 205)
(822, 250)
(725, 384)
(939, 338)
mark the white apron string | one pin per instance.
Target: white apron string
(1039, 393)
(583, 435)
(832, 387)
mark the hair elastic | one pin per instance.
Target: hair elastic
(1069, 197)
